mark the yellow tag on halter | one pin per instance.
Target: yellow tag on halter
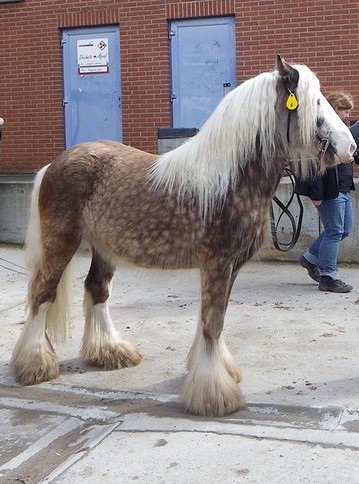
(292, 102)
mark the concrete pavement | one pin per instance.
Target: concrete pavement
(297, 348)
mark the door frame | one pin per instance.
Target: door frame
(66, 72)
(174, 57)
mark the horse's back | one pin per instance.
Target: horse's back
(97, 157)
(81, 170)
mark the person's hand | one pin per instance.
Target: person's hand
(317, 202)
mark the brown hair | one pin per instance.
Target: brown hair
(340, 100)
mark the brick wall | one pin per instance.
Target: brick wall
(322, 34)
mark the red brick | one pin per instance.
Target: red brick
(322, 35)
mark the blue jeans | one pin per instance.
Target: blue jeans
(337, 218)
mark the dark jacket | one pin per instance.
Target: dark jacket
(335, 180)
(355, 132)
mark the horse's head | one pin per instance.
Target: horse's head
(313, 128)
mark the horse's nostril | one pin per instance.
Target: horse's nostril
(353, 147)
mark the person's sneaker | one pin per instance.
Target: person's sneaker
(327, 283)
(312, 269)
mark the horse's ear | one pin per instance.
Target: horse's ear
(281, 63)
(289, 75)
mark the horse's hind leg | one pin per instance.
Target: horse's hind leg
(210, 387)
(34, 359)
(101, 343)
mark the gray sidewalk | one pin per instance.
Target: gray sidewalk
(297, 348)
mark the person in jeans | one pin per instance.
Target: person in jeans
(331, 195)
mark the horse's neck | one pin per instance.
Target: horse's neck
(263, 180)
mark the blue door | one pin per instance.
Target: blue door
(203, 67)
(91, 70)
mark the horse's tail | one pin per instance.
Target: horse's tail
(58, 314)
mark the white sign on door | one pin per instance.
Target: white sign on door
(92, 56)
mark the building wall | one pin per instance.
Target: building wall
(322, 34)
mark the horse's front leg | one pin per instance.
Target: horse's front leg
(210, 387)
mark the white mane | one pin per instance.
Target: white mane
(210, 162)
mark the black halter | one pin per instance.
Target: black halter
(288, 125)
(323, 144)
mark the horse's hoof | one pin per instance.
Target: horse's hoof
(211, 392)
(121, 354)
(37, 371)
(124, 357)
(215, 408)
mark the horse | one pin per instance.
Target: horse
(202, 205)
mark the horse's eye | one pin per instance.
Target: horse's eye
(320, 122)
(318, 102)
